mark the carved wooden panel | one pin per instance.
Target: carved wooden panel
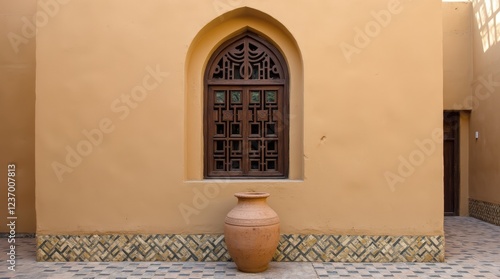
(246, 105)
(246, 59)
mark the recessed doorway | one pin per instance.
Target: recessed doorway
(451, 154)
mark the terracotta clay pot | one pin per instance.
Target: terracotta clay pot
(252, 232)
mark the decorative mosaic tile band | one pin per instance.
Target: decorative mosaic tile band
(18, 235)
(360, 248)
(292, 247)
(485, 211)
(127, 247)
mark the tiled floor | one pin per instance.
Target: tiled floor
(472, 251)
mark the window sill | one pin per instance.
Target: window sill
(243, 181)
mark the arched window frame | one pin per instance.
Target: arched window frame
(275, 78)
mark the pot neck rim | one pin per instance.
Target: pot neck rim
(252, 195)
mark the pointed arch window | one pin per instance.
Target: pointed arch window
(246, 110)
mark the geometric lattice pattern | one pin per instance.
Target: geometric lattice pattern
(292, 247)
(245, 132)
(350, 248)
(246, 59)
(246, 110)
(486, 211)
(104, 248)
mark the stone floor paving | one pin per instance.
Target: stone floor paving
(472, 251)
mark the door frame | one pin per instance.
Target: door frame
(453, 135)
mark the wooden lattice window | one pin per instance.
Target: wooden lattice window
(246, 110)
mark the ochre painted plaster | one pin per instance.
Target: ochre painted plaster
(356, 116)
(457, 55)
(17, 111)
(485, 115)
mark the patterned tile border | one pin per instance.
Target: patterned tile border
(486, 211)
(360, 248)
(18, 235)
(201, 247)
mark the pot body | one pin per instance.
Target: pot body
(252, 232)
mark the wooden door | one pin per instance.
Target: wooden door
(451, 162)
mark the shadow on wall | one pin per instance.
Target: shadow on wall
(487, 16)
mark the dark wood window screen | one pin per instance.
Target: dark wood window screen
(246, 110)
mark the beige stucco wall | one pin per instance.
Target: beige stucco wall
(457, 80)
(361, 107)
(17, 110)
(457, 55)
(485, 116)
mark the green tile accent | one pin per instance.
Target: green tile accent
(205, 247)
(270, 96)
(220, 97)
(255, 97)
(486, 211)
(236, 97)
